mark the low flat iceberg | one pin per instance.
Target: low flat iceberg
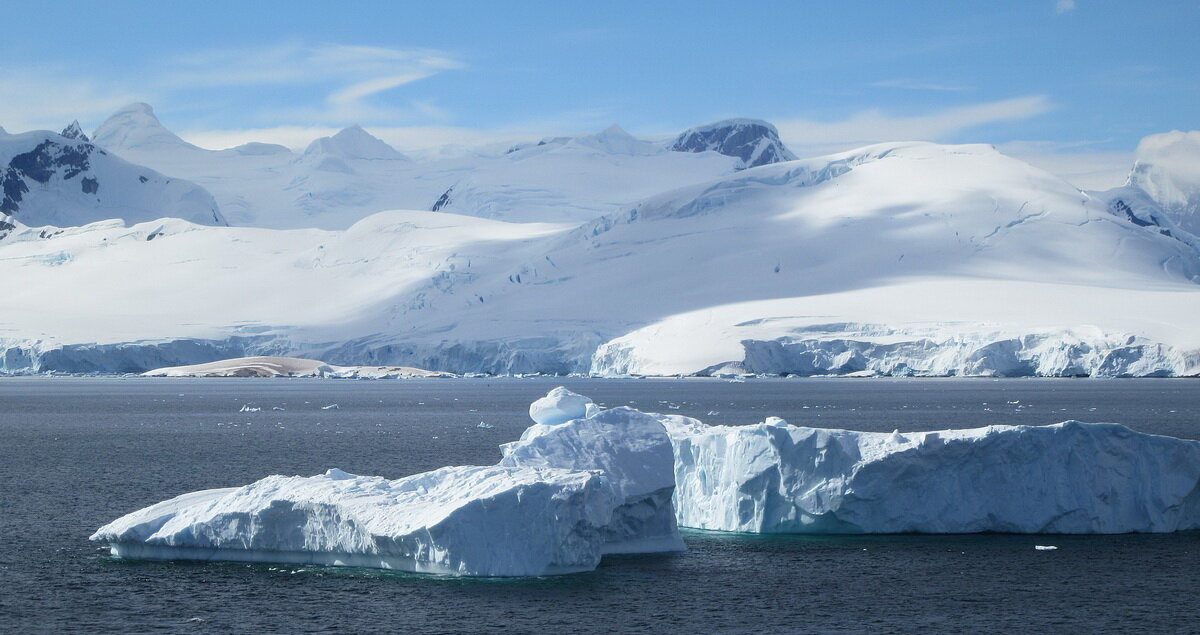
(471, 521)
(1067, 478)
(562, 496)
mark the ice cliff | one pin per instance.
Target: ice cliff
(1072, 478)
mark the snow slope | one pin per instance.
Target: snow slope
(52, 179)
(1069, 478)
(907, 258)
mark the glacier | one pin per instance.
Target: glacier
(584, 481)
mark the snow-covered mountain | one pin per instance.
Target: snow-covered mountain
(352, 143)
(1168, 171)
(905, 258)
(754, 141)
(342, 179)
(64, 180)
(136, 128)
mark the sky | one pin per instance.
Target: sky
(1071, 85)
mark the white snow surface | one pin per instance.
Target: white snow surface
(1067, 478)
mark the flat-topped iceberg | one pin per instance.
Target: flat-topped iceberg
(475, 521)
(1070, 478)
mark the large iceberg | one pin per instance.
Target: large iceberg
(583, 482)
(1070, 478)
(568, 492)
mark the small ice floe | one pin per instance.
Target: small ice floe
(276, 408)
(331, 406)
(249, 408)
(713, 413)
(1045, 547)
(485, 426)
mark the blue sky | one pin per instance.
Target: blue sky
(1086, 78)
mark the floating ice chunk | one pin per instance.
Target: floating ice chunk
(331, 406)
(1045, 547)
(629, 447)
(249, 408)
(485, 426)
(478, 521)
(560, 406)
(1066, 478)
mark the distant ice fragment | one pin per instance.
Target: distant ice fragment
(560, 406)
(1045, 547)
(331, 406)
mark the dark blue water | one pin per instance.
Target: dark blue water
(77, 453)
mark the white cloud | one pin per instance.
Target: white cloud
(873, 126)
(347, 76)
(299, 64)
(1079, 163)
(1064, 6)
(914, 84)
(47, 100)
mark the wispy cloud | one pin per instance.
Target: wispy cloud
(1083, 163)
(328, 84)
(301, 64)
(346, 77)
(872, 126)
(1064, 6)
(913, 84)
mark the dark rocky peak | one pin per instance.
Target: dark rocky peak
(754, 141)
(74, 131)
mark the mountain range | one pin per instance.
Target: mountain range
(713, 252)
